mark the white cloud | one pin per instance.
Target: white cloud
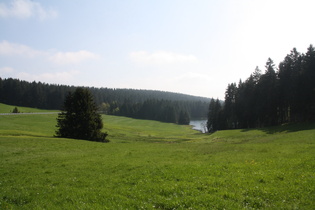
(161, 57)
(7, 48)
(26, 9)
(193, 76)
(6, 69)
(57, 77)
(13, 49)
(73, 57)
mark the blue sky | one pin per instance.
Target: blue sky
(193, 47)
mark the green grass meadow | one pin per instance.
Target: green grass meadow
(8, 109)
(154, 165)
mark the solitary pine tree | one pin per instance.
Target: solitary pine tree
(79, 119)
(15, 110)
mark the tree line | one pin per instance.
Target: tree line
(153, 109)
(163, 106)
(279, 95)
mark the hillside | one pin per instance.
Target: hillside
(18, 92)
(4, 108)
(51, 96)
(152, 165)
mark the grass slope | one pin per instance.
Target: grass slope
(153, 165)
(4, 108)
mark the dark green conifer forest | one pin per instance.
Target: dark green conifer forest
(279, 95)
(142, 104)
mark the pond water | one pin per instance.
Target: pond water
(200, 125)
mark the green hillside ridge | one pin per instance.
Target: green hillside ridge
(154, 165)
(4, 108)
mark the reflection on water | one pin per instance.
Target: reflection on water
(200, 125)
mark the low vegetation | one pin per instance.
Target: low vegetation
(153, 165)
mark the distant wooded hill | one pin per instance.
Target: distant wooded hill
(145, 104)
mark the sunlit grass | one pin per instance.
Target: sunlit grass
(152, 165)
(8, 109)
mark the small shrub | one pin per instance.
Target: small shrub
(16, 110)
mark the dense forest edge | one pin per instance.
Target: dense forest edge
(142, 104)
(279, 95)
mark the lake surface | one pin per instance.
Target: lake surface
(200, 125)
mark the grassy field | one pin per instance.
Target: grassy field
(153, 165)
(8, 109)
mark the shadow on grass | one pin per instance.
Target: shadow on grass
(285, 128)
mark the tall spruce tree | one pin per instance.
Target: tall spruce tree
(268, 100)
(216, 119)
(289, 79)
(183, 118)
(308, 86)
(79, 119)
(230, 105)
